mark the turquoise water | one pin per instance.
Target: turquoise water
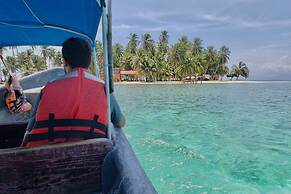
(211, 138)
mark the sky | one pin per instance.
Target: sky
(257, 32)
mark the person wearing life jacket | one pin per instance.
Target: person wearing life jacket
(15, 100)
(74, 107)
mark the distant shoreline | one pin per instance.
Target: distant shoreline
(182, 82)
(199, 82)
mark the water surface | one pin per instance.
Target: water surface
(211, 138)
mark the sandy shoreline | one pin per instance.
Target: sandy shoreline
(203, 82)
(178, 82)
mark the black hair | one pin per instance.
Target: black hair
(77, 52)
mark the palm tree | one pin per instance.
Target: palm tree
(244, 70)
(38, 63)
(146, 55)
(12, 64)
(51, 56)
(238, 70)
(198, 62)
(184, 66)
(223, 58)
(132, 44)
(196, 46)
(174, 60)
(211, 60)
(129, 61)
(44, 53)
(58, 59)
(224, 54)
(163, 46)
(185, 69)
(117, 52)
(29, 53)
(148, 45)
(100, 59)
(179, 57)
(162, 55)
(146, 65)
(129, 57)
(25, 62)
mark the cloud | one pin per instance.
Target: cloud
(124, 27)
(267, 63)
(154, 16)
(265, 24)
(277, 65)
(244, 23)
(157, 21)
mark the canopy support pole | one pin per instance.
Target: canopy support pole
(106, 65)
(109, 39)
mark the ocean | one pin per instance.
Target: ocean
(211, 138)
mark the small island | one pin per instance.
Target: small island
(149, 61)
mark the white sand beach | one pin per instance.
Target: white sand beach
(203, 82)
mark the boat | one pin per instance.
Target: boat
(104, 165)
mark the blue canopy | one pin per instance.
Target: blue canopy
(47, 22)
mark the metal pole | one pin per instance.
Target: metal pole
(109, 39)
(96, 66)
(106, 66)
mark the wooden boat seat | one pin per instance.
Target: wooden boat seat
(59, 168)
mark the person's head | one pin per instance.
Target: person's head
(76, 53)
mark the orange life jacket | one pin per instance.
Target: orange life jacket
(70, 109)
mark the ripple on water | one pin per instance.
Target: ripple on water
(222, 138)
(172, 148)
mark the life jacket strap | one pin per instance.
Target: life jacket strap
(64, 134)
(96, 120)
(51, 123)
(70, 123)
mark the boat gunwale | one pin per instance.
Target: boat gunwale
(105, 141)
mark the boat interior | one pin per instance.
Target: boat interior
(90, 166)
(13, 125)
(74, 165)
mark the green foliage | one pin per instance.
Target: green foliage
(28, 62)
(161, 61)
(196, 46)
(100, 59)
(58, 59)
(181, 57)
(12, 64)
(145, 61)
(132, 45)
(223, 58)
(163, 68)
(238, 70)
(117, 52)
